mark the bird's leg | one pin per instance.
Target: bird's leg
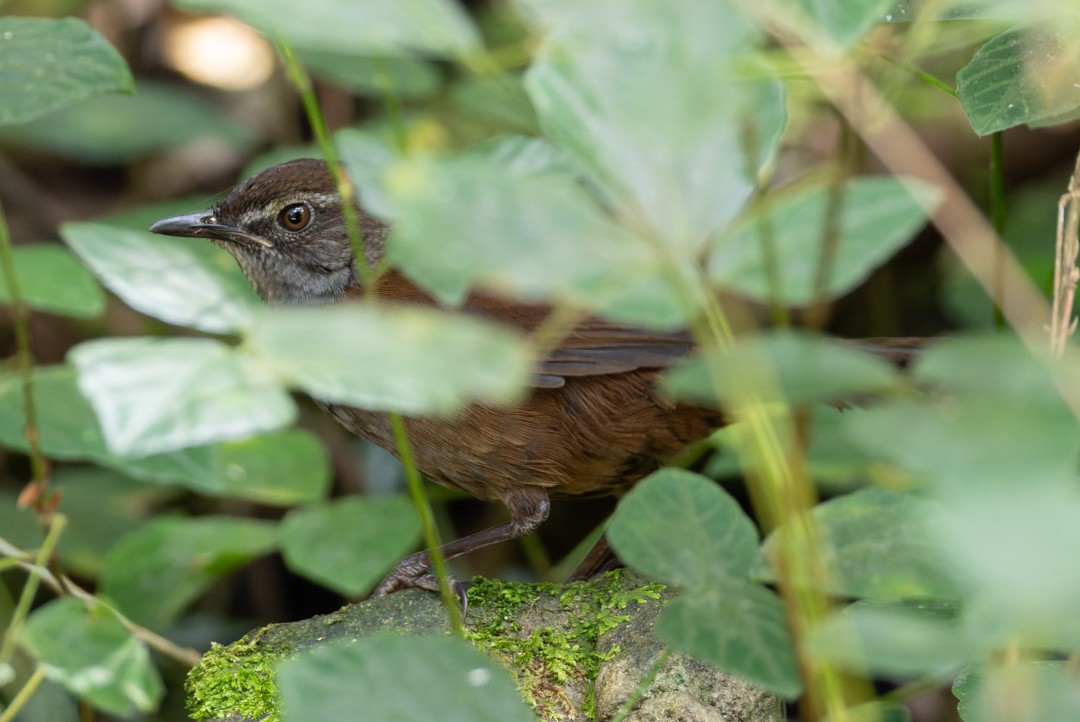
(529, 507)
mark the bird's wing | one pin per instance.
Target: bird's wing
(598, 347)
(593, 347)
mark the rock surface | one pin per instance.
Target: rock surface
(578, 652)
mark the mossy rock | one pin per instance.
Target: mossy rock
(576, 650)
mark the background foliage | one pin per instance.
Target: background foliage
(720, 166)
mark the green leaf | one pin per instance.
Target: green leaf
(508, 216)
(738, 627)
(439, 27)
(50, 279)
(682, 528)
(46, 64)
(161, 394)
(102, 507)
(379, 676)
(655, 103)
(500, 100)
(845, 21)
(879, 544)
(894, 641)
(410, 78)
(187, 282)
(285, 467)
(409, 360)
(93, 655)
(119, 129)
(876, 216)
(1040, 691)
(1029, 74)
(67, 426)
(1008, 421)
(153, 574)
(349, 544)
(792, 365)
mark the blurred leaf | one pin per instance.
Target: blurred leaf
(46, 64)
(410, 78)
(738, 627)
(1028, 225)
(655, 100)
(879, 544)
(845, 21)
(894, 641)
(117, 130)
(409, 360)
(50, 279)
(1007, 423)
(387, 28)
(508, 216)
(367, 157)
(876, 217)
(1017, 10)
(92, 654)
(67, 426)
(187, 281)
(349, 544)
(1028, 74)
(284, 467)
(1035, 691)
(682, 528)
(161, 394)
(154, 573)
(103, 506)
(785, 364)
(1016, 546)
(499, 99)
(379, 675)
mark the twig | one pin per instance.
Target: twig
(1066, 273)
(64, 585)
(21, 318)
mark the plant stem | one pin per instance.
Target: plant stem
(427, 522)
(345, 188)
(24, 695)
(39, 467)
(57, 522)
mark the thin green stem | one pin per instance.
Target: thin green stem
(346, 191)
(57, 522)
(21, 320)
(427, 522)
(643, 686)
(922, 75)
(24, 695)
(997, 219)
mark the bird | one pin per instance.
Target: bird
(593, 423)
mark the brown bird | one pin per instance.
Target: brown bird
(593, 423)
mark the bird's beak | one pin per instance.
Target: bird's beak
(205, 225)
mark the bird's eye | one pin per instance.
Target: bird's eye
(295, 216)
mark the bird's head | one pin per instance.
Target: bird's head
(285, 228)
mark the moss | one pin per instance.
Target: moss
(238, 678)
(544, 658)
(546, 634)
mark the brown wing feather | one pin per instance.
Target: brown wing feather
(594, 347)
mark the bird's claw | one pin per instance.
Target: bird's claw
(412, 571)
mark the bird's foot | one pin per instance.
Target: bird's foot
(412, 572)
